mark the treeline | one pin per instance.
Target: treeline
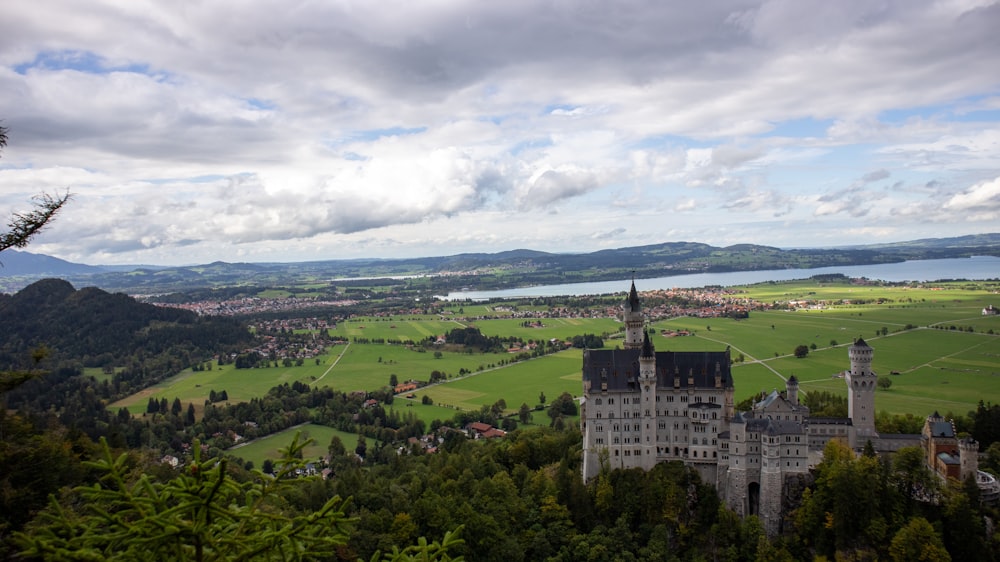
(522, 499)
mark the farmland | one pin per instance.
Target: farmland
(934, 337)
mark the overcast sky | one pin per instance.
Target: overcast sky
(195, 131)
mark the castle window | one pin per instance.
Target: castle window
(600, 440)
(598, 415)
(598, 401)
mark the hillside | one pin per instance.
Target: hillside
(95, 328)
(511, 268)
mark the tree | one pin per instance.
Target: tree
(884, 382)
(541, 397)
(393, 380)
(918, 541)
(336, 448)
(801, 351)
(524, 414)
(202, 514)
(24, 226)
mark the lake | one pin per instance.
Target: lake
(977, 267)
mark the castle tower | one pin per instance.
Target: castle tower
(861, 393)
(647, 387)
(792, 390)
(632, 317)
(771, 481)
(968, 456)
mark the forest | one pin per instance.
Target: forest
(70, 469)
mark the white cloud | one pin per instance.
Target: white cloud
(273, 129)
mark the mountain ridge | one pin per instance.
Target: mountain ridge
(519, 266)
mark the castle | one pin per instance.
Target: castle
(642, 407)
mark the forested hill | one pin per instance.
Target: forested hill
(93, 328)
(513, 268)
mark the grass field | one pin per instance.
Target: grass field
(267, 447)
(520, 383)
(950, 369)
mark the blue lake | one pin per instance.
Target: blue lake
(978, 267)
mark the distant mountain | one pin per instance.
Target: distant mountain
(16, 263)
(505, 269)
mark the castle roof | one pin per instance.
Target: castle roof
(769, 426)
(619, 368)
(947, 458)
(941, 429)
(633, 299)
(861, 343)
(830, 421)
(647, 346)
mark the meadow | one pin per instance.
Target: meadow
(269, 447)
(948, 369)
(519, 383)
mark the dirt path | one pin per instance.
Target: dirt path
(332, 365)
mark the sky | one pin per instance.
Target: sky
(290, 130)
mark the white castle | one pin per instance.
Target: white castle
(642, 407)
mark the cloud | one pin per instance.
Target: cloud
(267, 125)
(981, 201)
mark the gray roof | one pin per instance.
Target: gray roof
(942, 429)
(769, 426)
(619, 368)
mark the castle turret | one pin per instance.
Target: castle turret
(632, 317)
(792, 390)
(861, 393)
(968, 456)
(647, 387)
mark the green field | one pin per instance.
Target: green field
(267, 447)
(520, 383)
(944, 369)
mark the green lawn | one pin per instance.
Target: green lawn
(520, 383)
(267, 447)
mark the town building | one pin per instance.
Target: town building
(641, 407)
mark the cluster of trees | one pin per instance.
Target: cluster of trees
(871, 508)
(587, 341)
(471, 337)
(522, 498)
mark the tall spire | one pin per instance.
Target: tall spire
(633, 296)
(634, 321)
(647, 346)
